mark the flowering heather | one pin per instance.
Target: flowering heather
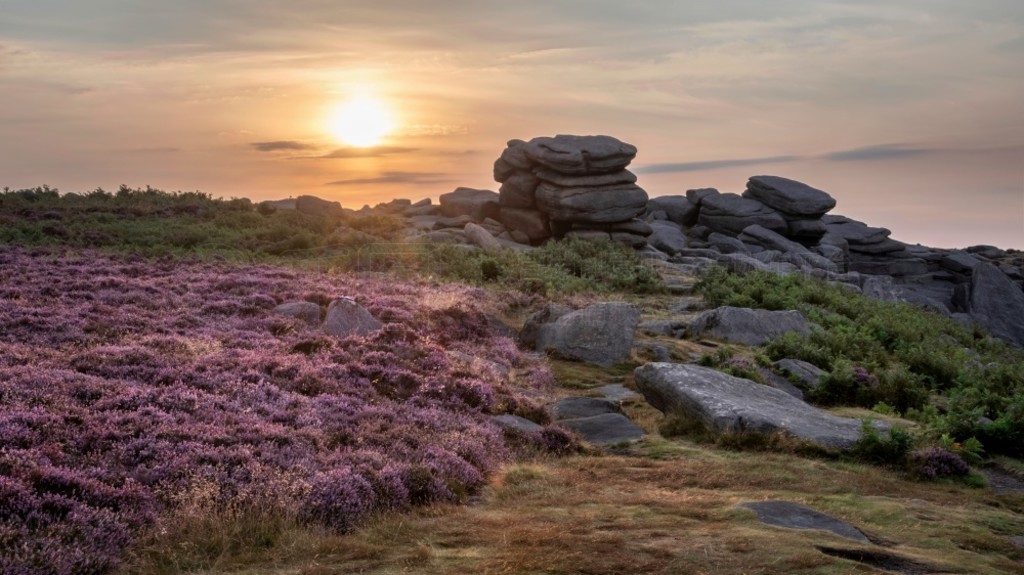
(129, 388)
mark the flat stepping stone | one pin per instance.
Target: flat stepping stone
(796, 516)
(579, 407)
(617, 392)
(516, 422)
(605, 429)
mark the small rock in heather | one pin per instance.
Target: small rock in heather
(308, 312)
(345, 317)
(516, 422)
(577, 407)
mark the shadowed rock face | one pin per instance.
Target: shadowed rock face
(997, 303)
(731, 213)
(724, 404)
(600, 205)
(747, 326)
(601, 334)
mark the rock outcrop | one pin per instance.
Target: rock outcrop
(570, 185)
(726, 404)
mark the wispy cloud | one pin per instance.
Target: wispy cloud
(279, 145)
(878, 152)
(397, 178)
(372, 152)
(711, 164)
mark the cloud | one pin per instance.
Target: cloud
(372, 152)
(711, 165)
(281, 145)
(397, 178)
(877, 152)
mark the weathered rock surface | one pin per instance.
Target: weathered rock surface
(678, 209)
(599, 205)
(789, 196)
(477, 204)
(587, 180)
(580, 155)
(578, 407)
(997, 303)
(807, 375)
(605, 429)
(516, 422)
(481, 238)
(517, 190)
(796, 516)
(731, 213)
(726, 404)
(601, 334)
(667, 237)
(747, 326)
(306, 311)
(530, 334)
(345, 317)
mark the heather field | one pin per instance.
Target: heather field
(132, 389)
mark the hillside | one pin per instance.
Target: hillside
(164, 410)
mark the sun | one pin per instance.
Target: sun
(362, 121)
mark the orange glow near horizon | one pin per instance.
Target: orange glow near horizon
(361, 121)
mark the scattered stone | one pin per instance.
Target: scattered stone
(727, 404)
(601, 334)
(477, 204)
(481, 238)
(796, 516)
(345, 317)
(617, 392)
(678, 209)
(606, 429)
(308, 312)
(807, 374)
(696, 196)
(667, 237)
(577, 407)
(517, 423)
(747, 326)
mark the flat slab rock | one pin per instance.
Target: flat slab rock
(516, 422)
(577, 407)
(617, 392)
(605, 429)
(747, 326)
(796, 516)
(727, 404)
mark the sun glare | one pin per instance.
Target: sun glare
(362, 121)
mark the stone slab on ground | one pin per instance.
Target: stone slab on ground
(726, 404)
(606, 429)
(796, 516)
(577, 407)
(617, 392)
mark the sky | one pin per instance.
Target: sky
(909, 112)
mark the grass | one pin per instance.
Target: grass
(667, 504)
(674, 514)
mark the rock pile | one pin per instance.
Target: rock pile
(571, 186)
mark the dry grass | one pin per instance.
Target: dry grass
(634, 514)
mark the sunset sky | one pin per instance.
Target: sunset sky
(909, 112)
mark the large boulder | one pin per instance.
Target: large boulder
(601, 334)
(477, 204)
(345, 317)
(667, 237)
(726, 404)
(997, 303)
(306, 311)
(316, 206)
(598, 205)
(789, 196)
(747, 326)
(481, 238)
(853, 232)
(731, 213)
(678, 209)
(533, 223)
(580, 155)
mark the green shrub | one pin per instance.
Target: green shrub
(891, 450)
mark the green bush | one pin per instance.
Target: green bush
(890, 450)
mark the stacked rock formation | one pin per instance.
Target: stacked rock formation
(571, 186)
(787, 207)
